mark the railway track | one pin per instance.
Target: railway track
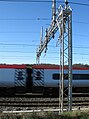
(26, 102)
(40, 95)
(41, 104)
(22, 102)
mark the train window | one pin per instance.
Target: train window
(65, 76)
(57, 76)
(38, 75)
(75, 76)
(81, 76)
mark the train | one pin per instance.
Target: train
(40, 78)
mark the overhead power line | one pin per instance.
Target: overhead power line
(80, 22)
(45, 1)
(23, 19)
(33, 45)
(33, 1)
(41, 58)
(78, 3)
(13, 44)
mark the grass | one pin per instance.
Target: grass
(47, 115)
(75, 115)
(41, 115)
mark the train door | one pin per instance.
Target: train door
(29, 80)
(38, 80)
(20, 80)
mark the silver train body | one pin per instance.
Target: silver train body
(40, 78)
(12, 78)
(48, 77)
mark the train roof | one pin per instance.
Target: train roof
(14, 66)
(47, 66)
(42, 66)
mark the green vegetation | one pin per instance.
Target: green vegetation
(41, 115)
(47, 115)
(75, 115)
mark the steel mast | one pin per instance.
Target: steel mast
(62, 21)
(65, 38)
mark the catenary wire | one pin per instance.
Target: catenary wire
(45, 1)
(33, 1)
(33, 45)
(80, 4)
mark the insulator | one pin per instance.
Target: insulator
(66, 3)
(53, 35)
(54, 11)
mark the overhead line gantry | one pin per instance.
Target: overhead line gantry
(62, 22)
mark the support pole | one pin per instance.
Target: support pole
(65, 38)
(62, 21)
(70, 62)
(61, 87)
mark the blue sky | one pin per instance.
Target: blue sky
(20, 25)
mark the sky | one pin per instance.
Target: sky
(20, 26)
